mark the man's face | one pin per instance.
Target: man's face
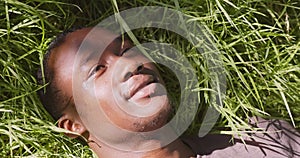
(125, 84)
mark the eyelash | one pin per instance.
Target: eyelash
(124, 51)
(96, 68)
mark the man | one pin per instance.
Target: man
(124, 77)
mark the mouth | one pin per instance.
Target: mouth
(141, 86)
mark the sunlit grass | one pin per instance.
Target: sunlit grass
(259, 41)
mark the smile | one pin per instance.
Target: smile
(140, 86)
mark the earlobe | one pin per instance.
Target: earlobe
(75, 127)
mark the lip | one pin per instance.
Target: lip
(138, 82)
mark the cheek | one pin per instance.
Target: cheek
(103, 93)
(106, 99)
(109, 104)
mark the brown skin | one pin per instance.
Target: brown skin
(101, 72)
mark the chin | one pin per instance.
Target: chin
(157, 111)
(156, 121)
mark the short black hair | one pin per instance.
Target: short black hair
(52, 97)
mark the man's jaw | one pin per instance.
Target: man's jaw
(145, 98)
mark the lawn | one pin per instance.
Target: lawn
(259, 43)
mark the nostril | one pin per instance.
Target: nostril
(140, 68)
(128, 75)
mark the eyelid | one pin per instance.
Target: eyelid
(124, 47)
(124, 50)
(94, 70)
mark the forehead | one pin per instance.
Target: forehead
(62, 58)
(83, 39)
(88, 37)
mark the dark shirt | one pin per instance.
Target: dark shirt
(279, 140)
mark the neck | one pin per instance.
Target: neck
(176, 149)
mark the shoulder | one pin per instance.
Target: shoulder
(276, 139)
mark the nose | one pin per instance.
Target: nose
(138, 70)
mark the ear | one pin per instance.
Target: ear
(71, 124)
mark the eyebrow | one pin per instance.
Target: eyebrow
(93, 54)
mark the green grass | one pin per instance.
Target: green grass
(259, 41)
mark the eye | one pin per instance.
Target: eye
(124, 50)
(97, 69)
